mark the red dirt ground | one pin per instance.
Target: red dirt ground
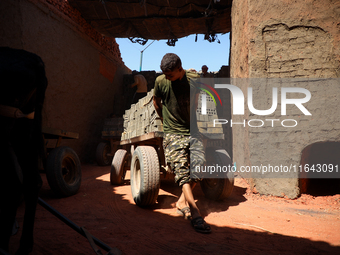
(245, 223)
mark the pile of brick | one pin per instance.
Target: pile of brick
(113, 127)
(141, 118)
(205, 122)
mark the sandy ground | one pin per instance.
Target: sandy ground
(245, 223)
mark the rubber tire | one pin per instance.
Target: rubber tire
(145, 175)
(61, 159)
(118, 171)
(101, 154)
(218, 188)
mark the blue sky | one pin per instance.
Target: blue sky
(193, 54)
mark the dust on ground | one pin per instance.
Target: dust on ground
(245, 223)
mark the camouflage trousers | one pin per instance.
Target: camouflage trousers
(183, 153)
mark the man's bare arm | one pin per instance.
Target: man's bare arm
(157, 102)
(136, 81)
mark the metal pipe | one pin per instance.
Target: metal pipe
(72, 225)
(141, 55)
(141, 60)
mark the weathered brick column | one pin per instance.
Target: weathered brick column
(285, 39)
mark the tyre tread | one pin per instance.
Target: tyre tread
(54, 175)
(99, 154)
(150, 176)
(117, 167)
(225, 186)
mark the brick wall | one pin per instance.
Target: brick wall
(285, 39)
(84, 69)
(62, 8)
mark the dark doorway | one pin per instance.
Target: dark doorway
(325, 155)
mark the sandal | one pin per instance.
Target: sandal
(200, 225)
(185, 212)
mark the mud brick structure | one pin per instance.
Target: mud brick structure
(287, 39)
(224, 72)
(84, 68)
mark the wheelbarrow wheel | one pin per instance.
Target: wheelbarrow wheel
(63, 171)
(118, 167)
(102, 150)
(222, 186)
(145, 175)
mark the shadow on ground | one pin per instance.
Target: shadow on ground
(108, 213)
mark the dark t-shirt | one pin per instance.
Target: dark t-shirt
(178, 98)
